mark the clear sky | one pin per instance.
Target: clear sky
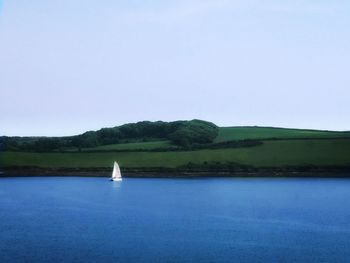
(67, 66)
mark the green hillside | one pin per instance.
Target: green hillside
(266, 147)
(132, 146)
(241, 133)
(271, 153)
(230, 134)
(180, 133)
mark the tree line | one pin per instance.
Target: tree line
(180, 133)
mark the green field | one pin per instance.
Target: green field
(227, 134)
(307, 147)
(241, 133)
(132, 146)
(271, 153)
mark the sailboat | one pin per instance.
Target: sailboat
(116, 175)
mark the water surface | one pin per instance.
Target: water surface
(174, 220)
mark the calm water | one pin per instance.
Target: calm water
(174, 220)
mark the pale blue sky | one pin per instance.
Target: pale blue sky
(67, 66)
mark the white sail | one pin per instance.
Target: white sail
(116, 175)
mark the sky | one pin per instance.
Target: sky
(68, 66)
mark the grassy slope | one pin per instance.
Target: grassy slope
(227, 134)
(271, 153)
(132, 146)
(240, 133)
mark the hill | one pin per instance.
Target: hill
(244, 133)
(179, 133)
(270, 154)
(233, 149)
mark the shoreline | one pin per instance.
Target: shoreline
(288, 172)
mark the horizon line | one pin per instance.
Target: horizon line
(224, 126)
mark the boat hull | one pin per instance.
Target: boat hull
(116, 179)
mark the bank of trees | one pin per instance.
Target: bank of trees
(180, 133)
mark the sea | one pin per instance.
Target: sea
(90, 219)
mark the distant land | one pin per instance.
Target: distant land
(181, 148)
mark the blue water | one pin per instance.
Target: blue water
(174, 220)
